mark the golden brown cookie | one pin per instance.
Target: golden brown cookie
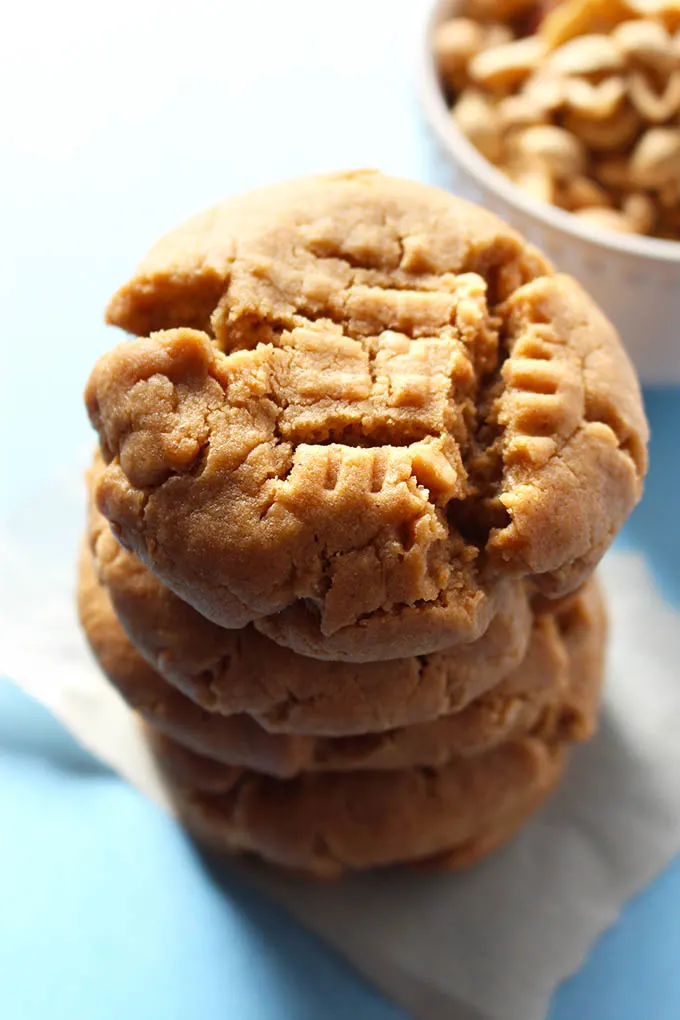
(230, 672)
(555, 691)
(325, 823)
(393, 407)
(571, 443)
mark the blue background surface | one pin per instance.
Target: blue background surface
(120, 125)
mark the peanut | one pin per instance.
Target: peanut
(608, 135)
(504, 67)
(496, 34)
(587, 56)
(577, 17)
(654, 107)
(646, 43)
(668, 11)
(550, 148)
(595, 101)
(520, 111)
(456, 42)
(640, 210)
(584, 193)
(538, 183)
(477, 118)
(545, 90)
(606, 219)
(656, 158)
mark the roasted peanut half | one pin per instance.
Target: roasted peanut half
(595, 101)
(588, 56)
(497, 34)
(654, 107)
(667, 11)
(578, 17)
(520, 111)
(646, 43)
(606, 219)
(477, 118)
(639, 209)
(538, 183)
(550, 148)
(546, 90)
(656, 159)
(455, 43)
(607, 135)
(502, 68)
(584, 193)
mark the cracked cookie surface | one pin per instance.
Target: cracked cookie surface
(325, 823)
(241, 671)
(554, 692)
(391, 404)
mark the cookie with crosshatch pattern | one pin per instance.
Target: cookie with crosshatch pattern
(367, 407)
(230, 672)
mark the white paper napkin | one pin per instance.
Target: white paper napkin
(491, 943)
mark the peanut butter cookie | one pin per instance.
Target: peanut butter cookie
(230, 672)
(553, 692)
(325, 823)
(387, 409)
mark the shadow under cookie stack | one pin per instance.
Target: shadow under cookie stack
(355, 475)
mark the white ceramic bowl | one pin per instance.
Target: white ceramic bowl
(635, 280)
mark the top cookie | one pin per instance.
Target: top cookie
(392, 407)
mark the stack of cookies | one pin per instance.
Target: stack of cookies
(352, 485)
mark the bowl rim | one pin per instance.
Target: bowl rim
(457, 145)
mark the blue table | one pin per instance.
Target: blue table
(113, 133)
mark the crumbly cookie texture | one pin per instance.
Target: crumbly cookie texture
(333, 248)
(572, 436)
(229, 672)
(326, 823)
(553, 692)
(391, 407)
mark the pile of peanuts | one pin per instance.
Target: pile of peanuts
(578, 102)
